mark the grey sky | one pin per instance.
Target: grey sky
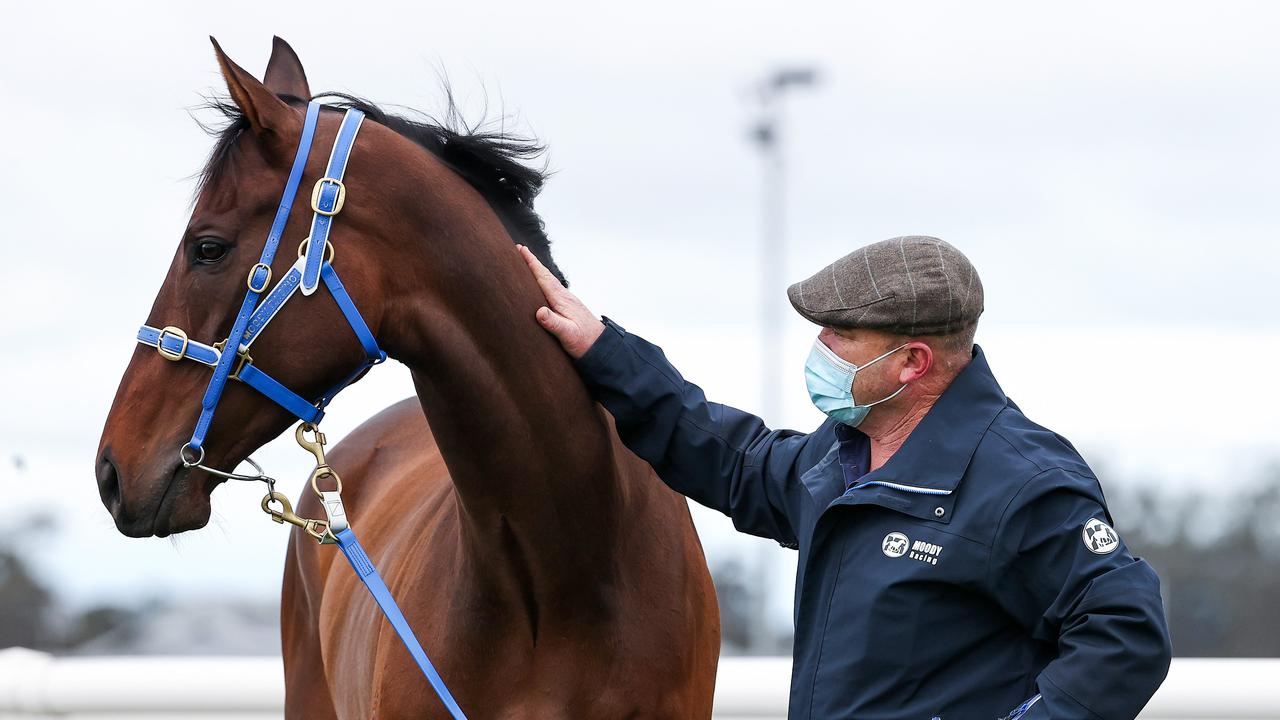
(1109, 167)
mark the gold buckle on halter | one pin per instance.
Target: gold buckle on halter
(169, 354)
(244, 358)
(337, 205)
(254, 271)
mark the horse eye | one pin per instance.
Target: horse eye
(210, 251)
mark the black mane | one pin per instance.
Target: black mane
(494, 163)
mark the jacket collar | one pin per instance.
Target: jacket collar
(937, 452)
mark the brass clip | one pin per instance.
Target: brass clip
(315, 447)
(322, 470)
(317, 529)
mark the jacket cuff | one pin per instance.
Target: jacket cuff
(597, 357)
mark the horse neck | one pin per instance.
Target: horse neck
(530, 455)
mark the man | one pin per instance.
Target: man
(957, 561)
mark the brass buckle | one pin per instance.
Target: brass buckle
(328, 249)
(265, 281)
(244, 359)
(337, 205)
(169, 354)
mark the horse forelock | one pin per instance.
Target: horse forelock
(495, 163)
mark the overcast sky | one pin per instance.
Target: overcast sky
(1109, 167)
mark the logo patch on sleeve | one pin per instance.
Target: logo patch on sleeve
(1099, 537)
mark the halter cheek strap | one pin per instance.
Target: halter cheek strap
(260, 276)
(327, 199)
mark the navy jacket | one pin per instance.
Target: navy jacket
(974, 571)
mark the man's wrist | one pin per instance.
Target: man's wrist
(602, 348)
(598, 328)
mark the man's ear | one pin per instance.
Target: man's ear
(920, 360)
(285, 75)
(274, 123)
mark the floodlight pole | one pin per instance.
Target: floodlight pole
(767, 134)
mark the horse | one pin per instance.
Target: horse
(545, 568)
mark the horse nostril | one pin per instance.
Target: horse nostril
(108, 482)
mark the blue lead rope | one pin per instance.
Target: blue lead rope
(368, 574)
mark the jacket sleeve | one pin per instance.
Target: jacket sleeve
(1072, 583)
(720, 456)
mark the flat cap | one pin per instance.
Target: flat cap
(910, 285)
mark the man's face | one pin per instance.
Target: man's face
(861, 346)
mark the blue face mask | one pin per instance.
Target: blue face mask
(830, 381)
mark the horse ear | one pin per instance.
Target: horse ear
(271, 119)
(285, 75)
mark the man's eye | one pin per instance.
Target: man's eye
(210, 251)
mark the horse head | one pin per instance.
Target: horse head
(307, 347)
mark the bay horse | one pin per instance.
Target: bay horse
(545, 568)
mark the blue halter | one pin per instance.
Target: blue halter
(311, 268)
(326, 202)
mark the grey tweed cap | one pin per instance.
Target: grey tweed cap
(910, 285)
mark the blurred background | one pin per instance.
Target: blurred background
(1109, 168)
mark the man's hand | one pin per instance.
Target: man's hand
(564, 315)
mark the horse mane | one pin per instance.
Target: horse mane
(493, 162)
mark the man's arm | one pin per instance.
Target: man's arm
(720, 456)
(1072, 582)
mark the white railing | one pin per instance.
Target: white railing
(37, 686)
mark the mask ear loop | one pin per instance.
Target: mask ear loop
(845, 365)
(878, 359)
(883, 399)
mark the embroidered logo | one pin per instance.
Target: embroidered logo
(1099, 537)
(894, 545)
(926, 552)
